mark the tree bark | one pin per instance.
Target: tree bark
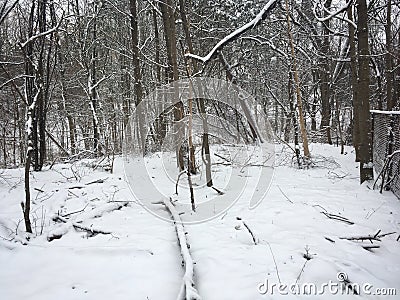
(366, 168)
(297, 83)
(325, 80)
(388, 57)
(354, 84)
(137, 71)
(93, 85)
(167, 10)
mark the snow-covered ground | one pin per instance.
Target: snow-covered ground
(296, 242)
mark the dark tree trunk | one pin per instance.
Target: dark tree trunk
(40, 111)
(167, 9)
(388, 58)
(325, 79)
(93, 85)
(362, 105)
(294, 120)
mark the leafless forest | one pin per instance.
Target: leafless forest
(72, 72)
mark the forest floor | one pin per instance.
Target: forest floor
(298, 230)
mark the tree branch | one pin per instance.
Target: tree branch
(238, 32)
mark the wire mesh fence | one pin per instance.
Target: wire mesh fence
(386, 148)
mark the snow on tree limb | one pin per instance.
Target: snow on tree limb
(34, 37)
(334, 14)
(187, 291)
(235, 34)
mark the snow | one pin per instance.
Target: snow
(141, 259)
(386, 112)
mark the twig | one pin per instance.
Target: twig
(375, 237)
(276, 265)
(301, 271)
(373, 211)
(75, 212)
(97, 181)
(177, 181)
(317, 205)
(76, 187)
(385, 234)
(329, 239)
(338, 218)
(370, 247)
(284, 194)
(217, 190)
(224, 158)
(90, 230)
(248, 229)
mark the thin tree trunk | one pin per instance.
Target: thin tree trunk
(26, 207)
(93, 86)
(388, 58)
(354, 84)
(297, 83)
(294, 120)
(325, 80)
(40, 112)
(167, 10)
(337, 109)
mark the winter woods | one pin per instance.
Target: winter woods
(72, 72)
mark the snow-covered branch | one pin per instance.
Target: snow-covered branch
(234, 35)
(34, 37)
(187, 291)
(13, 79)
(29, 122)
(333, 14)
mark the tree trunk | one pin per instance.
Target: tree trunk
(325, 80)
(354, 84)
(297, 83)
(40, 112)
(167, 9)
(294, 120)
(26, 207)
(366, 168)
(93, 86)
(138, 89)
(388, 58)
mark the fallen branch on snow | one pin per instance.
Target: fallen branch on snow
(58, 234)
(188, 290)
(248, 229)
(76, 212)
(97, 181)
(370, 247)
(97, 212)
(376, 237)
(338, 218)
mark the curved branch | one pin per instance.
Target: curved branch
(234, 35)
(334, 14)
